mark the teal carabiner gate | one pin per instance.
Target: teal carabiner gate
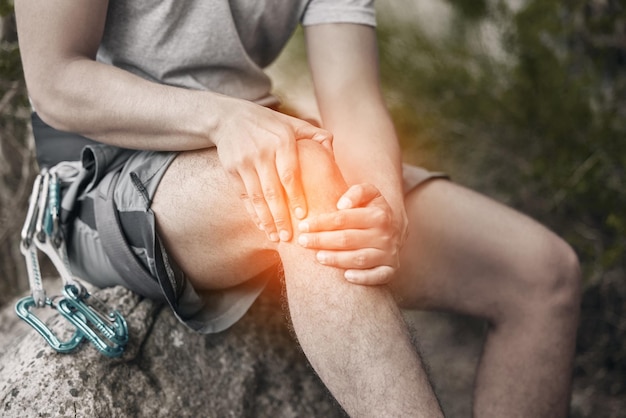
(108, 332)
(23, 310)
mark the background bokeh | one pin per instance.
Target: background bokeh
(524, 101)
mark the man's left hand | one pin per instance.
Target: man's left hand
(362, 236)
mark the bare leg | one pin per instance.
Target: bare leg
(470, 255)
(354, 336)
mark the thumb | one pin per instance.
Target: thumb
(322, 136)
(358, 195)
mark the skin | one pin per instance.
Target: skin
(354, 247)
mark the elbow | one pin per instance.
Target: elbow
(47, 104)
(50, 96)
(38, 101)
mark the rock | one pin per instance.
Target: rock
(254, 369)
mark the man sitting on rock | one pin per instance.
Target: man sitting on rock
(185, 155)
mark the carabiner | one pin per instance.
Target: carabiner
(108, 332)
(28, 230)
(51, 219)
(23, 310)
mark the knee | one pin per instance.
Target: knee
(567, 277)
(553, 281)
(321, 178)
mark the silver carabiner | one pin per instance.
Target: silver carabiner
(27, 248)
(48, 237)
(28, 229)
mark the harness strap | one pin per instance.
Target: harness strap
(116, 247)
(54, 146)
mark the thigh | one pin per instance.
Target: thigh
(204, 226)
(469, 254)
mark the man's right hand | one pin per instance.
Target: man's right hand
(257, 147)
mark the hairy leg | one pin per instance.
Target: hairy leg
(468, 254)
(354, 336)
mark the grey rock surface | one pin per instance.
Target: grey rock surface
(255, 369)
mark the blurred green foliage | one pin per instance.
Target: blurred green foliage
(10, 66)
(470, 9)
(528, 105)
(6, 7)
(537, 120)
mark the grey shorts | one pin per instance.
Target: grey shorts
(101, 251)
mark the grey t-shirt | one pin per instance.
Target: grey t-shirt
(216, 45)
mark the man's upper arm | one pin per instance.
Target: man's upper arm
(53, 33)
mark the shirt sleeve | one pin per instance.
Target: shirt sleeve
(339, 11)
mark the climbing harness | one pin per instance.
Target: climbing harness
(91, 320)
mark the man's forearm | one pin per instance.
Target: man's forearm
(367, 151)
(346, 80)
(116, 107)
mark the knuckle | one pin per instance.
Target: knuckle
(257, 199)
(267, 223)
(279, 138)
(323, 257)
(263, 154)
(288, 176)
(236, 161)
(263, 144)
(382, 275)
(385, 278)
(231, 169)
(296, 200)
(343, 240)
(311, 225)
(360, 260)
(282, 133)
(339, 220)
(270, 193)
(280, 221)
(386, 240)
(380, 216)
